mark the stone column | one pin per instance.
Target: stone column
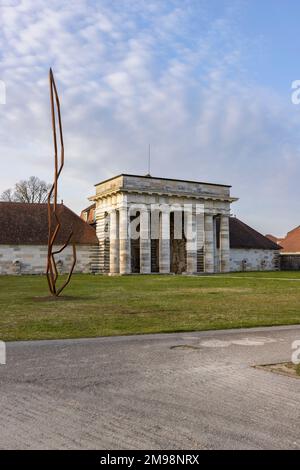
(216, 252)
(103, 262)
(191, 241)
(124, 246)
(164, 242)
(145, 242)
(114, 243)
(224, 244)
(209, 243)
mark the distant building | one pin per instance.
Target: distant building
(24, 235)
(289, 249)
(88, 215)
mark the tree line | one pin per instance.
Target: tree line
(33, 190)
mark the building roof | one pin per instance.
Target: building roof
(141, 185)
(88, 214)
(161, 178)
(87, 209)
(243, 236)
(290, 243)
(272, 238)
(27, 224)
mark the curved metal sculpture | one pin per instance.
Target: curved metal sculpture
(54, 223)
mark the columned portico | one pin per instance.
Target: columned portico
(157, 248)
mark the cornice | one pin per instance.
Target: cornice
(205, 196)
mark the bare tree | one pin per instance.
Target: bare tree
(7, 195)
(29, 191)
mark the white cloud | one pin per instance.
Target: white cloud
(159, 72)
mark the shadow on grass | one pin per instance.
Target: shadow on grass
(60, 298)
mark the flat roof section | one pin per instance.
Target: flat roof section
(165, 179)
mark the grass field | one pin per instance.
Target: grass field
(102, 306)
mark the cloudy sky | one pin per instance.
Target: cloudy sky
(207, 83)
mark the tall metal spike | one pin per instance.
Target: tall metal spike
(54, 222)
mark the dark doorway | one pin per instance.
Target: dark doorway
(178, 247)
(135, 246)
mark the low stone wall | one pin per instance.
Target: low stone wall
(253, 260)
(31, 259)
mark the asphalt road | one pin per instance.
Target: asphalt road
(175, 391)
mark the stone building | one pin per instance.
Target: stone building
(289, 249)
(155, 206)
(24, 235)
(180, 227)
(139, 224)
(88, 215)
(250, 250)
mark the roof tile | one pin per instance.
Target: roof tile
(22, 223)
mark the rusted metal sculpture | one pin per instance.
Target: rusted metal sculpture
(54, 222)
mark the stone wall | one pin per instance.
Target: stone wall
(253, 260)
(31, 259)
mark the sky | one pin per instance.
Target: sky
(206, 83)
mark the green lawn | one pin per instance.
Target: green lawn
(103, 306)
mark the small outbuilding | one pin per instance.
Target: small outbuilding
(250, 250)
(289, 249)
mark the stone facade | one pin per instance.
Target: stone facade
(139, 224)
(253, 259)
(31, 259)
(139, 229)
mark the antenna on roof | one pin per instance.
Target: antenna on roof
(149, 160)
